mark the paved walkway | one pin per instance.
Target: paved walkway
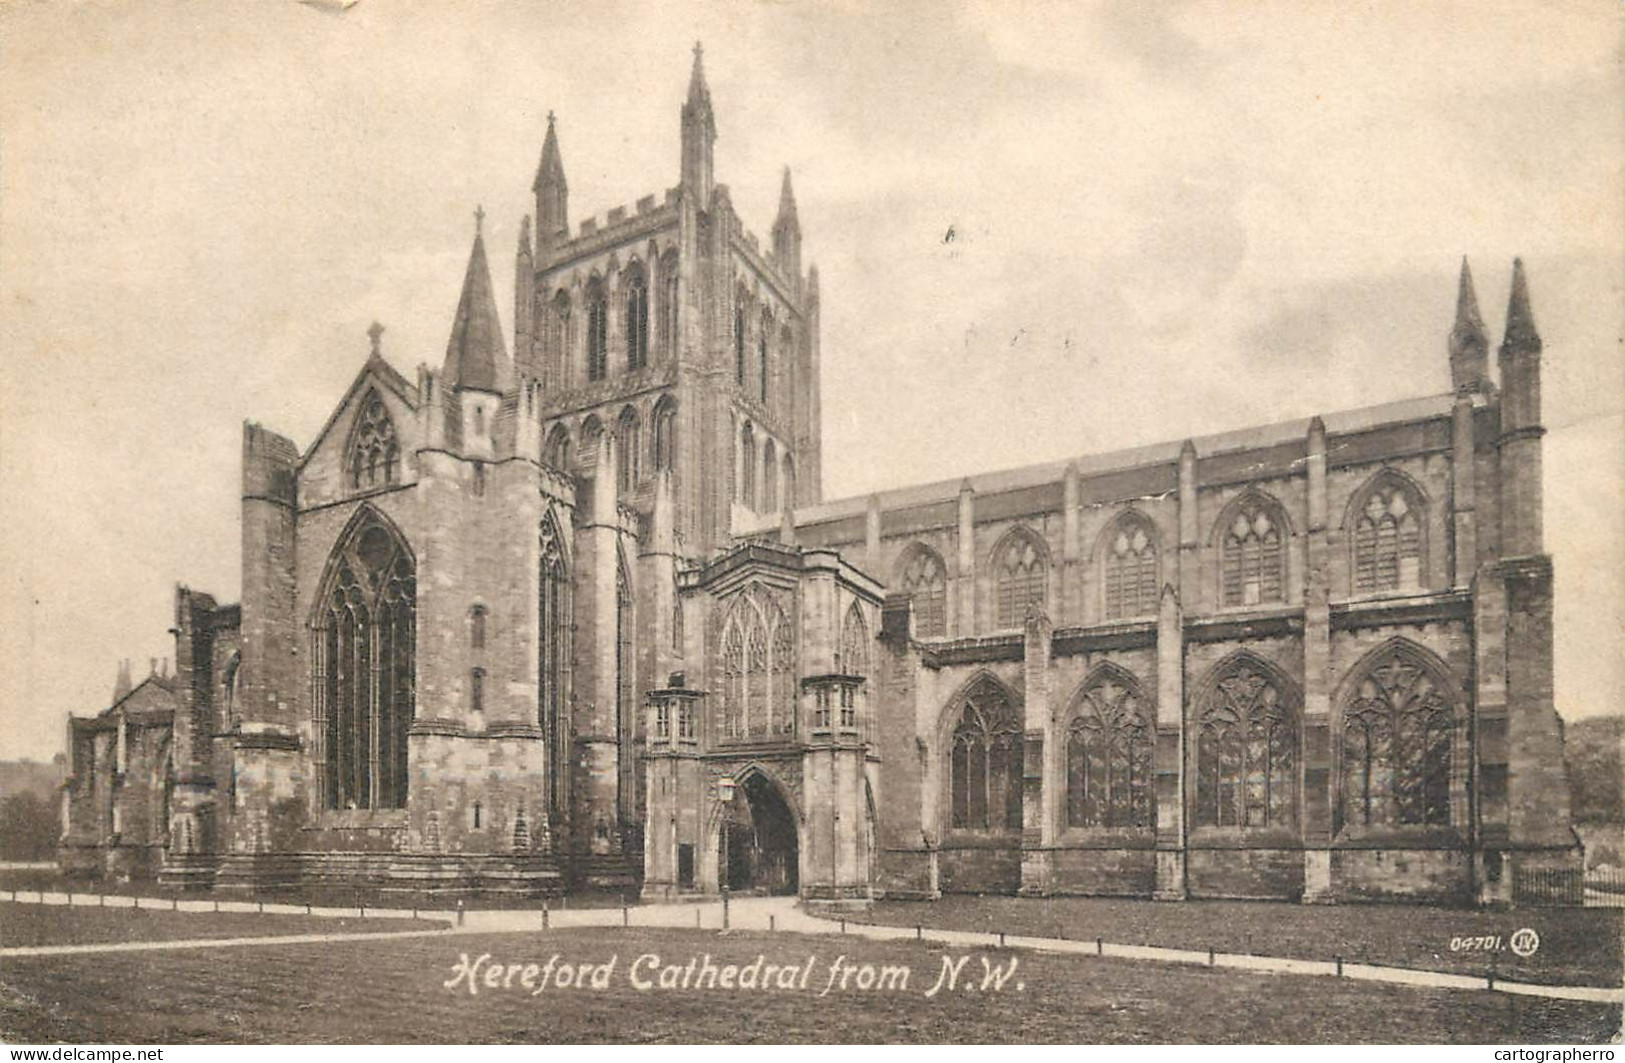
(772, 914)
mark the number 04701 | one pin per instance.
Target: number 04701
(1489, 943)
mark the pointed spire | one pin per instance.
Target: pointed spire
(524, 236)
(699, 133)
(699, 93)
(475, 355)
(787, 203)
(552, 193)
(1520, 334)
(1467, 316)
(1469, 343)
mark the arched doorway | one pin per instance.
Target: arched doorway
(763, 852)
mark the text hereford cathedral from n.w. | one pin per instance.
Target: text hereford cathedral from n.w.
(579, 615)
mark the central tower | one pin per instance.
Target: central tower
(668, 329)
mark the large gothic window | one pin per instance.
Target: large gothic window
(365, 651)
(637, 318)
(984, 779)
(1399, 734)
(924, 578)
(1252, 552)
(597, 331)
(553, 615)
(1018, 578)
(1388, 537)
(1245, 750)
(757, 667)
(628, 451)
(1109, 756)
(1130, 567)
(375, 452)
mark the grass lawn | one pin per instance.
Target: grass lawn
(52, 880)
(46, 924)
(393, 990)
(1578, 946)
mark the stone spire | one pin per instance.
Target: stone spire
(1469, 343)
(787, 232)
(476, 357)
(552, 193)
(699, 132)
(1520, 334)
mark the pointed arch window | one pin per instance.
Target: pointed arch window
(1018, 574)
(1388, 538)
(558, 339)
(770, 478)
(476, 627)
(375, 452)
(628, 451)
(365, 655)
(1245, 751)
(924, 578)
(1253, 553)
(853, 655)
(1399, 739)
(1109, 757)
(1130, 568)
(764, 367)
(637, 318)
(747, 477)
(668, 303)
(592, 433)
(558, 448)
(597, 331)
(985, 781)
(665, 437)
(757, 663)
(552, 610)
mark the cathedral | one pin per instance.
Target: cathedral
(576, 614)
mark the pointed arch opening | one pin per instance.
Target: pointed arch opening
(665, 435)
(1386, 525)
(1110, 746)
(747, 460)
(757, 666)
(628, 451)
(1127, 554)
(559, 454)
(636, 319)
(1401, 755)
(559, 337)
(553, 662)
(668, 303)
(922, 575)
(364, 649)
(374, 450)
(1020, 572)
(770, 478)
(597, 329)
(985, 737)
(1246, 722)
(1252, 535)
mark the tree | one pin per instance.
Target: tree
(28, 828)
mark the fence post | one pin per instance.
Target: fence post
(1100, 946)
(1339, 960)
(772, 922)
(696, 918)
(843, 926)
(1001, 939)
(544, 915)
(919, 932)
(1210, 955)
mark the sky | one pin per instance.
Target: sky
(1167, 220)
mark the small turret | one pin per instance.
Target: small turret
(477, 364)
(1521, 429)
(552, 195)
(1469, 344)
(699, 133)
(524, 280)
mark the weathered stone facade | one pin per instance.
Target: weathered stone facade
(579, 614)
